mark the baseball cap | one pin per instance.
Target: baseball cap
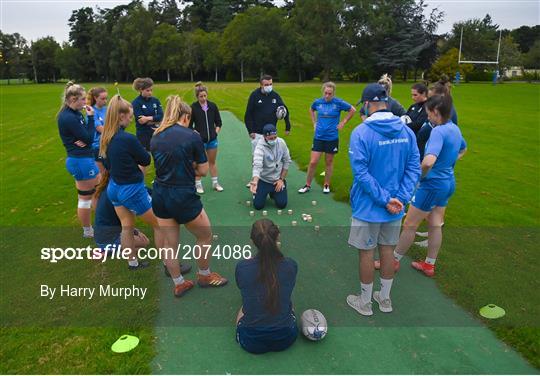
(269, 130)
(374, 93)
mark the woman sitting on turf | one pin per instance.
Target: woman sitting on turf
(126, 190)
(266, 320)
(179, 156)
(271, 160)
(445, 146)
(77, 134)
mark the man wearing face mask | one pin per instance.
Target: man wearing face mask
(261, 110)
(271, 160)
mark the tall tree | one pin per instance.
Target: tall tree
(220, 16)
(319, 23)
(44, 52)
(166, 11)
(510, 56)
(212, 59)
(81, 25)
(531, 60)
(165, 49)
(134, 32)
(14, 56)
(526, 36)
(67, 60)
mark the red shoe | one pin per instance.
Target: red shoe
(212, 280)
(181, 289)
(424, 267)
(377, 265)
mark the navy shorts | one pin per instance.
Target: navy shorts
(82, 168)
(323, 146)
(262, 340)
(180, 203)
(134, 197)
(433, 193)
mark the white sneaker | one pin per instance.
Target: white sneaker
(217, 187)
(384, 305)
(304, 189)
(422, 244)
(200, 189)
(248, 185)
(326, 189)
(88, 233)
(422, 234)
(359, 306)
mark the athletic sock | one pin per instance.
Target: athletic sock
(179, 280)
(204, 272)
(366, 290)
(198, 183)
(430, 261)
(398, 256)
(386, 285)
(133, 263)
(214, 180)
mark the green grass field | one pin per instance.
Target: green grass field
(491, 226)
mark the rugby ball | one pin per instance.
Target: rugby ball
(314, 326)
(281, 112)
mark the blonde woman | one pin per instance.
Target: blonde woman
(126, 190)
(327, 125)
(77, 134)
(179, 156)
(205, 119)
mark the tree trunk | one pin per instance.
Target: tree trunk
(242, 71)
(35, 73)
(326, 75)
(168, 75)
(299, 75)
(415, 74)
(191, 74)
(216, 75)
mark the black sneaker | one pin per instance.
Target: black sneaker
(184, 269)
(142, 265)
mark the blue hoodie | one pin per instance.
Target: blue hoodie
(385, 163)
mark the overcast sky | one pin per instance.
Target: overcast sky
(38, 18)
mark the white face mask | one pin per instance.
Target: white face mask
(267, 89)
(271, 142)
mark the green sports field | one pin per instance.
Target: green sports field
(488, 255)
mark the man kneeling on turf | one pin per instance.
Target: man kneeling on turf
(271, 160)
(386, 166)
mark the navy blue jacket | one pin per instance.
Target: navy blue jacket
(418, 115)
(147, 107)
(124, 154)
(72, 127)
(261, 110)
(254, 293)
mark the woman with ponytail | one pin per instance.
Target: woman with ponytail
(266, 320)
(124, 155)
(179, 156)
(97, 98)
(77, 134)
(205, 119)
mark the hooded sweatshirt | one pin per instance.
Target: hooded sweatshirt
(269, 161)
(385, 163)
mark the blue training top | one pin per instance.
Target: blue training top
(73, 127)
(124, 154)
(385, 163)
(174, 151)
(147, 107)
(254, 293)
(99, 120)
(328, 114)
(445, 142)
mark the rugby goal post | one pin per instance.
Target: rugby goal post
(477, 61)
